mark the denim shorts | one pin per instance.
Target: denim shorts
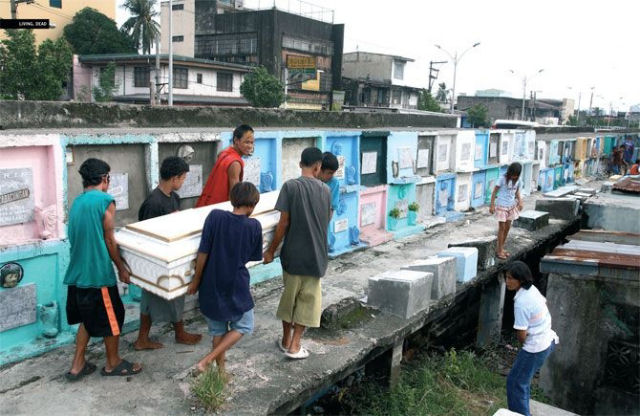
(244, 325)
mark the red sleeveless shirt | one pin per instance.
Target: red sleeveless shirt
(217, 187)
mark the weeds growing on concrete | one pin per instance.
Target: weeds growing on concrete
(208, 388)
(456, 383)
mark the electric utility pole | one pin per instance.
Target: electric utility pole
(433, 72)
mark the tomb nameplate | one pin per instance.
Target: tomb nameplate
(423, 158)
(405, 160)
(368, 214)
(341, 225)
(466, 152)
(17, 307)
(505, 148)
(442, 153)
(369, 162)
(479, 151)
(192, 185)
(16, 196)
(119, 190)
(462, 192)
(340, 172)
(478, 191)
(403, 207)
(493, 149)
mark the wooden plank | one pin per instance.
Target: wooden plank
(604, 259)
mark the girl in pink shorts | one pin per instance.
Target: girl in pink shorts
(506, 203)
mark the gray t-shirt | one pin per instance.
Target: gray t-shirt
(308, 202)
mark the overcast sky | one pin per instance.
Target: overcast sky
(578, 44)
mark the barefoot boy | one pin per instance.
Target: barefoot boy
(229, 241)
(162, 201)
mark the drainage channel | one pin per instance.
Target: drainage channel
(454, 322)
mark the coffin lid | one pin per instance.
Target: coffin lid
(184, 224)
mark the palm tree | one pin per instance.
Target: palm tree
(141, 26)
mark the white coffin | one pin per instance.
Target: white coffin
(161, 252)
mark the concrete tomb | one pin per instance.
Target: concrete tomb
(486, 250)
(401, 292)
(444, 274)
(466, 261)
(559, 208)
(532, 220)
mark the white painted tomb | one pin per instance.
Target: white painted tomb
(161, 251)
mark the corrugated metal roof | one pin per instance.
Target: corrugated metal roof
(600, 254)
(628, 185)
(150, 59)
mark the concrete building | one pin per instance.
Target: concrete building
(224, 31)
(377, 80)
(195, 81)
(544, 111)
(59, 12)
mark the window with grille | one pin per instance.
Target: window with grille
(180, 77)
(178, 38)
(55, 3)
(398, 70)
(225, 81)
(177, 7)
(141, 76)
(199, 78)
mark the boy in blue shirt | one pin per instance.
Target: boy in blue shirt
(229, 241)
(329, 167)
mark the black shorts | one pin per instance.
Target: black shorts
(100, 310)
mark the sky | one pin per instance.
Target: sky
(578, 44)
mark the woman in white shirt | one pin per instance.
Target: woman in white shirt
(533, 329)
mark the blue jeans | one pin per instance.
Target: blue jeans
(520, 376)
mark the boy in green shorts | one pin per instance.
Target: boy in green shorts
(305, 208)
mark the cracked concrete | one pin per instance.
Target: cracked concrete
(264, 380)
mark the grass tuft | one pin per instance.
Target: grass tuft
(208, 388)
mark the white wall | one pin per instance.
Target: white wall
(183, 25)
(125, 82)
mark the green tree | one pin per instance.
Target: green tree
(91, 32)
(427, 103)
(262, 89)
(572, 120)
(28, 75)
(141, 26)
(477, 116)
(442, 93)
(106, 83)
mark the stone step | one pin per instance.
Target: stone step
(466, 261)
(532, 220)
(559, 208)
(401, 292)
(443, 270)
(486, 250)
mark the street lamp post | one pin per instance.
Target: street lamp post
(524, 88)
(170, 101)
(455, 59)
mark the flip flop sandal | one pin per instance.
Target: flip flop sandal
(501, 257)
(300, 355)
(86, 370)
(125, 368)
(279, 344)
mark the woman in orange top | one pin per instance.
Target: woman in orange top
(634, 168)
(229, 167)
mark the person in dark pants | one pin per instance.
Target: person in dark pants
(162, 201)
(93, 300)
(533, 330)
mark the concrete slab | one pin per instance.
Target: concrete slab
(561, 191)
(613, 212)
(486, 250)
(466, 261)
(532, 220)
(401, 292)
(559, 208)
(443, 270)
(543, 409)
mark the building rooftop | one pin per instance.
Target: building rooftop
(396, 57)
(135, 58)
